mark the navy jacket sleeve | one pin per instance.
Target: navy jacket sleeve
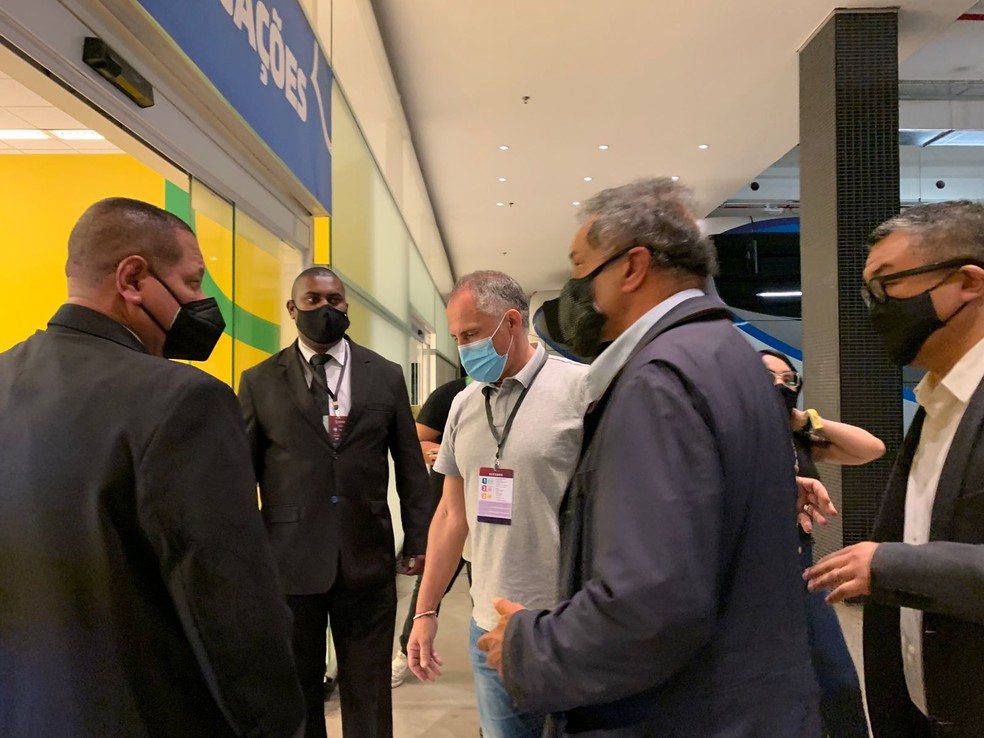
(650, 602)
(196, 497)
(412, 482)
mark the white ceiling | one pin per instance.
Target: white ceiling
(652, 80)
(23, 109)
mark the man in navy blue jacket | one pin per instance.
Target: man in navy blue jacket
(684, 612)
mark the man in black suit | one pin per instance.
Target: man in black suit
(923, 570)
(682, 610)
(321, 416)
(138, 593)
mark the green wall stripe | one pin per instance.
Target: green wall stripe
(241, 324)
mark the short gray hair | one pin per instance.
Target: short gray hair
(941, 230)
(656, 213)
(495, 293)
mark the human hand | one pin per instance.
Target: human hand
(847, 573)
(491, 642)
(423, 660)
(799, 418)
(412, 566)
(812, 504)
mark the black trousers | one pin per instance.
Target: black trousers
(362, 628)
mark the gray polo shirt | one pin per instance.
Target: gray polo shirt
(518, 561)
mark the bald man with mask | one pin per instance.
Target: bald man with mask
(138, 592)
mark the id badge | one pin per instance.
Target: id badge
(336, 428)
(495, 496)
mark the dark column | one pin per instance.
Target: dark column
(849, 174)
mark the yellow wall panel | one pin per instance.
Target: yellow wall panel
(41, 198)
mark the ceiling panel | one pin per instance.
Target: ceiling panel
(20, 108)
(46, 118)
(652, 80)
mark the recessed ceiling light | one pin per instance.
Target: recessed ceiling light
(603, 147)
(703, 147)
(674, 178)
(576, 202)
(587, 179)
(77, 135)
(22, 134)
(503, 148)
(501, 204)
(502, 179)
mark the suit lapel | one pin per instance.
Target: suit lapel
(955, 466)
(293, 376)
(360, 382)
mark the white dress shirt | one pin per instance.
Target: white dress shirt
(340, 354)
(944, 401)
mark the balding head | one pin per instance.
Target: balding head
(116, 228)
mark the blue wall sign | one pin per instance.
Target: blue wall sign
(264, 58)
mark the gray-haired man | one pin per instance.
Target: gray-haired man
(508, 453)
(684, 610)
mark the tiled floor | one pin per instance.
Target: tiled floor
(442, 710)
(447, 709)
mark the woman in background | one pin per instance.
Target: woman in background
(816, 439)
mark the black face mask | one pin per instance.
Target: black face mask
(324, 325)
(196, 328)
(789, 396)
(580, 322)
(904, 324)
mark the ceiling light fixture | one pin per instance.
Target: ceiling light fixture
(501, 204)
(576, 202)
(674, 178)
(603, 147)
(703, 147)
(503, 148)
(22, 134)
(77, 135)
(780, 295)
(502, 179)
(587, 179)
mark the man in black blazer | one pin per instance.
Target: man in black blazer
(138, 593)
(682, 611)
(321, 416)
(923, 570)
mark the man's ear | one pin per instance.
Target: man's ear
(972, 284)
(129, 274)
(638, 263)
(292, 308)
(515, 319)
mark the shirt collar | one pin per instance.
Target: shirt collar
(525, 375)
(960, 382)
(604, 369)
(338, 351)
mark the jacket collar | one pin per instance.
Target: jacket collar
(92, 322)
(684, 307)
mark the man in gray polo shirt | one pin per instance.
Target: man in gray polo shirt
(509, 450)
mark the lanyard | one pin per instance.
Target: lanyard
(338, 388)
(501, 440)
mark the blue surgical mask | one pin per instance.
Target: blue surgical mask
(480, 359)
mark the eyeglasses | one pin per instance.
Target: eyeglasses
(874, 290)
(791, 379)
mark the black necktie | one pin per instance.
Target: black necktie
(319, 384)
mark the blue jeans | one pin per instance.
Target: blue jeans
(840, 689)
(496, 710)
